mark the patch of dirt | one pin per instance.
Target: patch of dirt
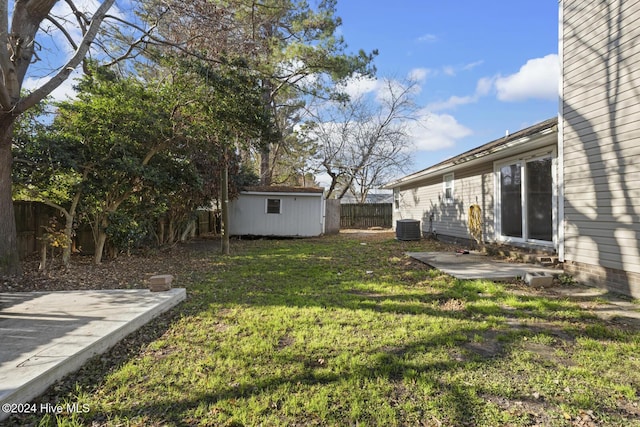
(123, 272)
(452, 304)
(372, 230)
(489, 346)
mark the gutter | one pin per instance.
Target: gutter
(529, 141)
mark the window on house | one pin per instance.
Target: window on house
(273, 206)
(396, 198)
(447, 186)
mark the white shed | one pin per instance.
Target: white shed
(278, 211)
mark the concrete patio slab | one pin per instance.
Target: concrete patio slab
(46, 335)
(478, 266)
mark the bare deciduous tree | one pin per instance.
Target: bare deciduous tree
(365, 142)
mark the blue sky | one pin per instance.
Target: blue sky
(484, 67)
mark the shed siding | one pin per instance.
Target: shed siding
(601, 140)
(471, 186)
(300, 216)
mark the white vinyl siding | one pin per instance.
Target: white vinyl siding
(299, 215)
(601, 136)
(471, 186)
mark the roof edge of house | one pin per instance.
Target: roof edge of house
(515, 139)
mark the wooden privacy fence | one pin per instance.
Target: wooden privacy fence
(366, 215)
(31, 218)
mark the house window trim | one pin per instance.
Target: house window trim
(266, 205)
(522, 160)
(396, 199)
(448, 178)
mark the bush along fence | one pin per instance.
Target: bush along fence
(366, 215)
(33, 219)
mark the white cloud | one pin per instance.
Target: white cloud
(65, 16)
(451, 103)
(453, 70)
(449, 70)
(537, 79)
(88, 7)
(383, 88)
(484, 86)
(359, 86)
(388, 90)
(434, 132)
(419, 74)
(62, 93)
(472, 65)
(427, 38)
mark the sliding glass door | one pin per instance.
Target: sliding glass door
(525, 200)
(539, 204)
(511, 198)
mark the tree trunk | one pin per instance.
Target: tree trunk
(99, 228)
(161, 231)
(9, 257)
(68, 231)
(265, 165)
(172, 234)
(224, 182)
(100, 241)
(43, 256)
(189, 231)
(265, 151)
(70, 216)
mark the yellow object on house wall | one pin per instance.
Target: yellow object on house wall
(475, 222)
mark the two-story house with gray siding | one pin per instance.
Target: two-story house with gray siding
(599, 141)
(569, 185)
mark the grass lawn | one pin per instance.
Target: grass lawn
(346, 330)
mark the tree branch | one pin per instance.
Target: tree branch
(64, 72)
(5, 64)
(81, 17)
(63, 30)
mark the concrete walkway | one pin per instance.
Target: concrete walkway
(46, 335)
(477, 266)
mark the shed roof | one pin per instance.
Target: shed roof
(518, 138)
(283, 189)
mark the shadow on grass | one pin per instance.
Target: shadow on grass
(489, 326)
(464, 402)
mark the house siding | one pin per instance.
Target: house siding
(472, 185)
(601, 141)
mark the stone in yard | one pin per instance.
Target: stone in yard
(160, 283)
(538, 280)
